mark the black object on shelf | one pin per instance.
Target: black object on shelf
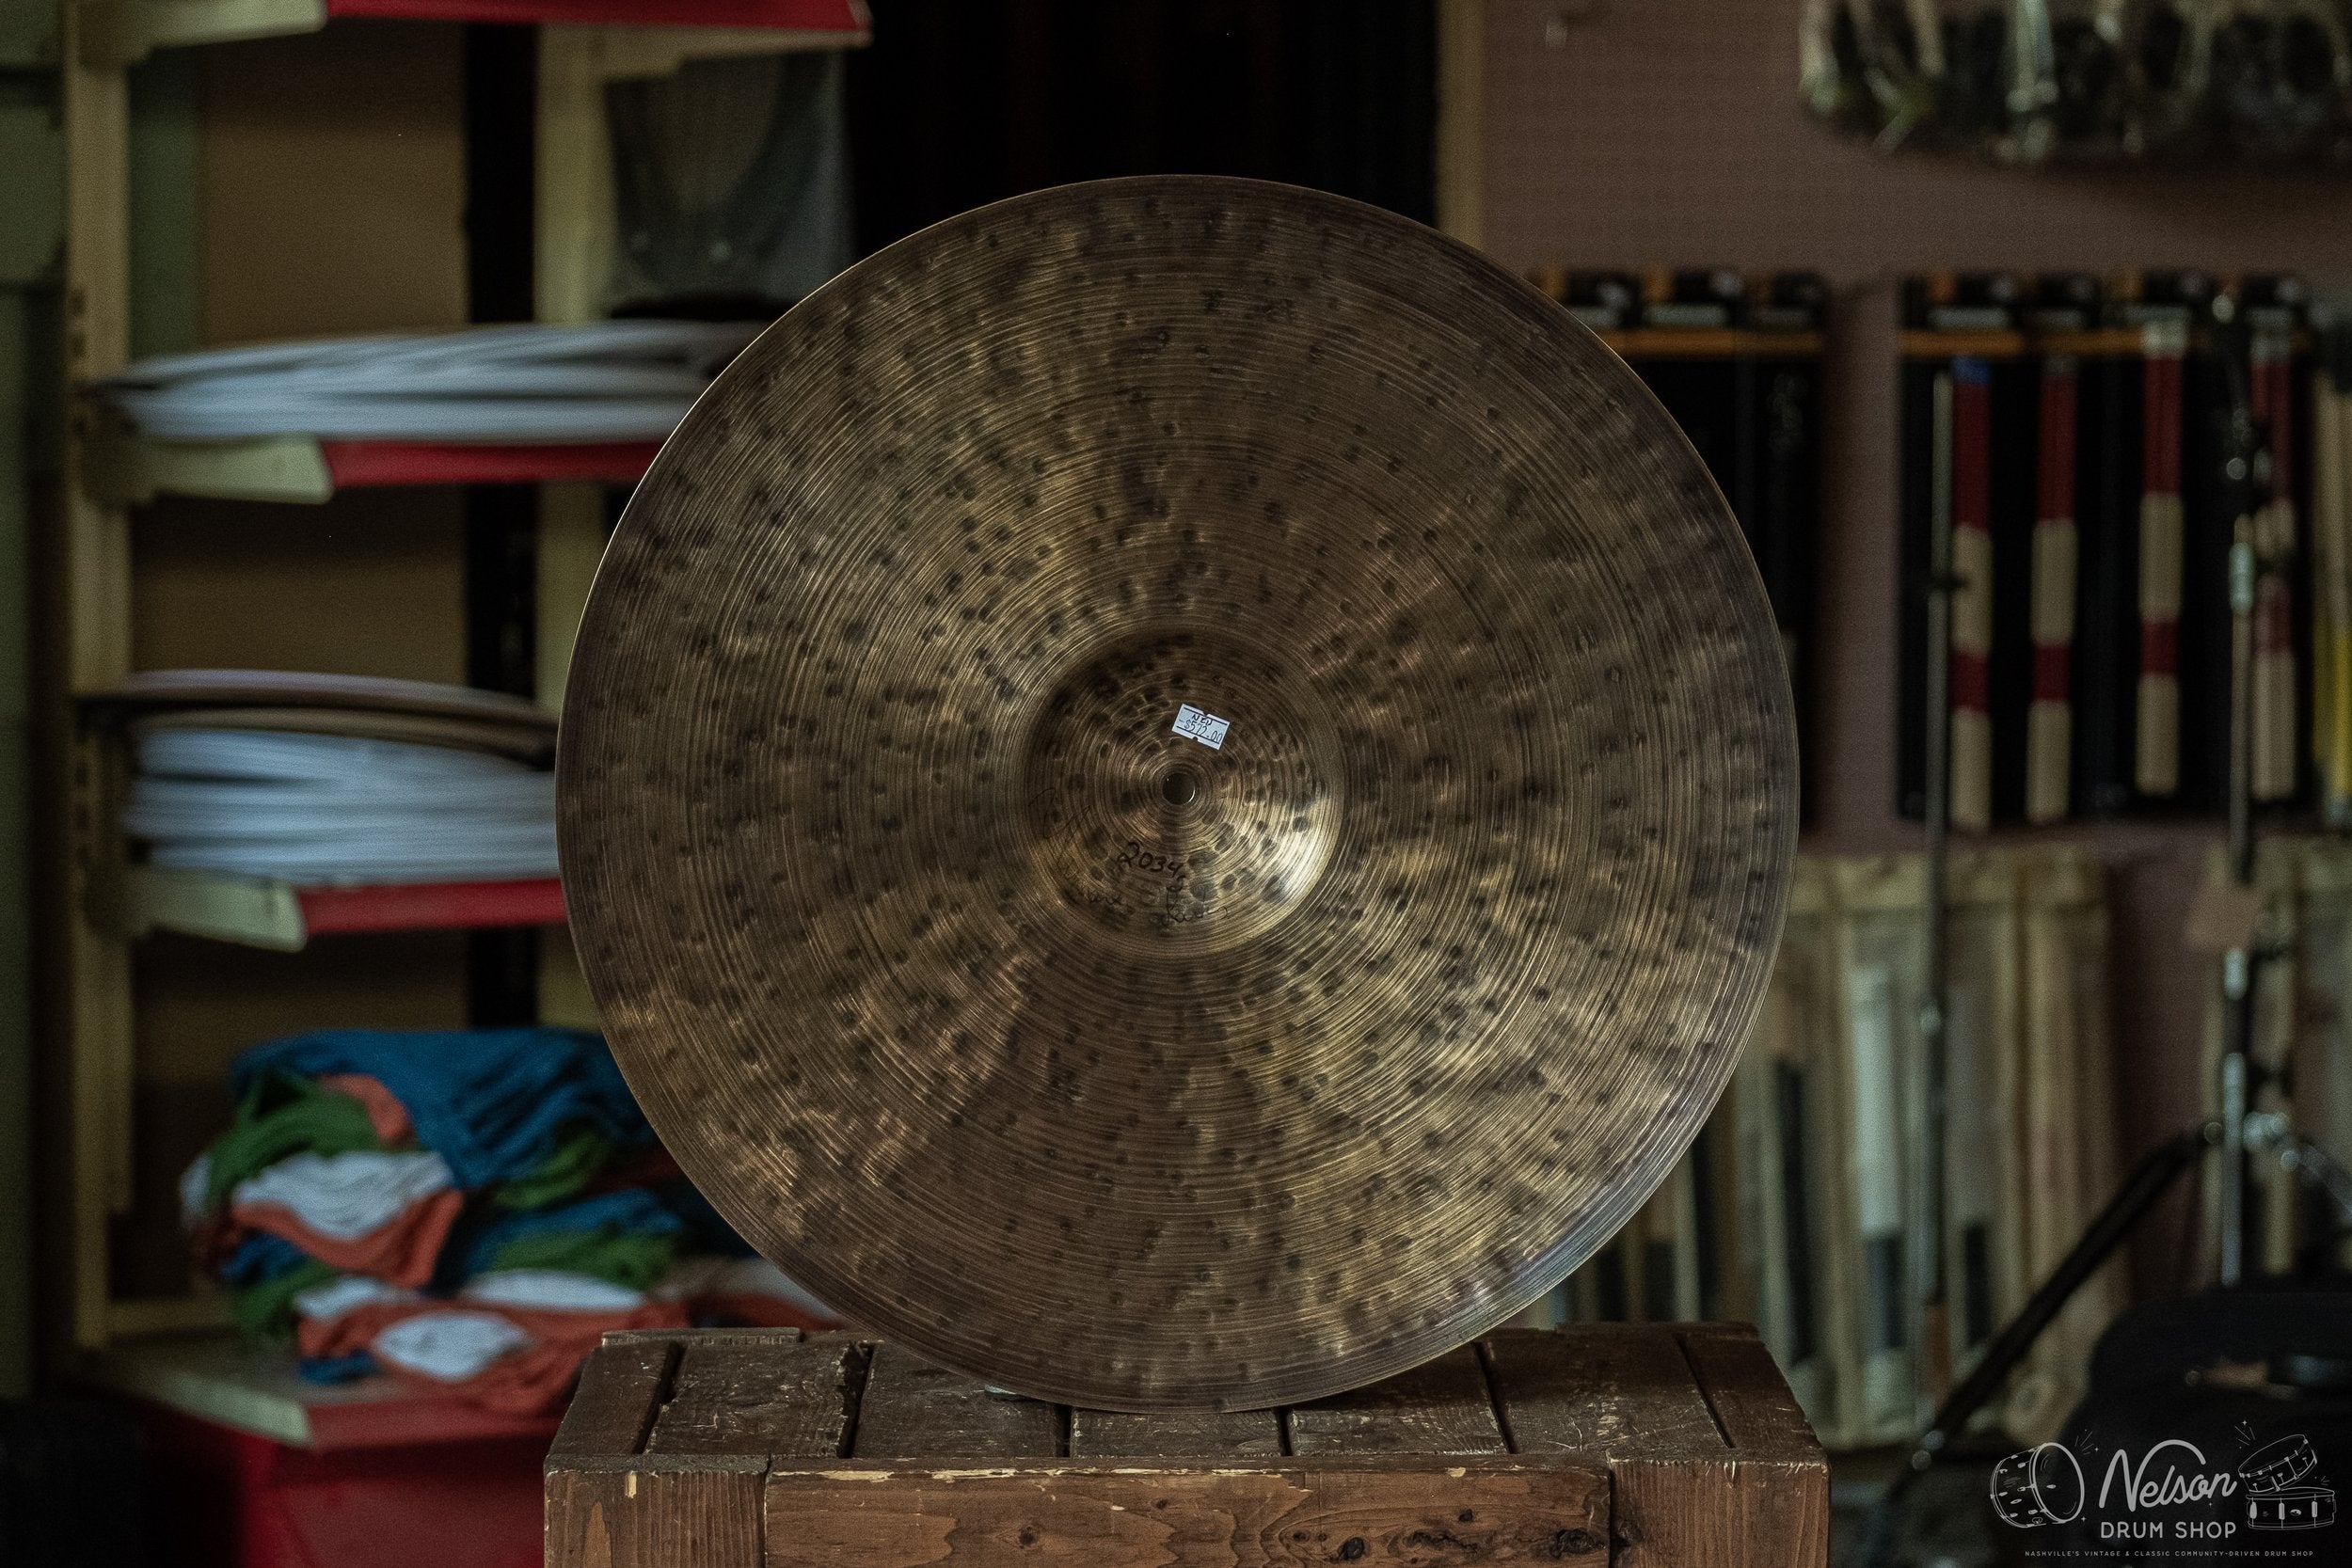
(1753, 410)
(73, 1483)
(974, 101)
(502, 520)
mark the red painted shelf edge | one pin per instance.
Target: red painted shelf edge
(431, 906)
(798, 16)
(420, 1420)
(353, 464)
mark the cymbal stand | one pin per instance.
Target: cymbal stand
(1928, 1282)
(2235, 1133)
(2246, 453)
(2149, 1181)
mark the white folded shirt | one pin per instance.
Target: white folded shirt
(447, 1347)
(550, 1290)
(347, 1195)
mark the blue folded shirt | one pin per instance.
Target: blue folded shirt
(330, 1369)
(493, 1103)
(261, 1257)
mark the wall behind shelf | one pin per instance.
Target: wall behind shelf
(333, 194)
(1671, 134)
(368, 584)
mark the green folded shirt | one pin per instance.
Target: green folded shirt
(283, 1115)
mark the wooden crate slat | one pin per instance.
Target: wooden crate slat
(1638, 1446)
(1183, 1435)
(647, 1517)
(1638, 1399)
(1750, 1399)
(1783, 1482)
(913, 1410)
(763, 1393)
(620, 1393)
(1362, 1512)
(1652, 1400)
(1439, 1407)
(1623, 1392)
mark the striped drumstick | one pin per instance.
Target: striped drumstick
(2049, 723)
(1972, 595)
(2164, 345)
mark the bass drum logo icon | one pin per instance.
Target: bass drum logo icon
(2038, 1486)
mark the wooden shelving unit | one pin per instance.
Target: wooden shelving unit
(105, 904)
(121, 496)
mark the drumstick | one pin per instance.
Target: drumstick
(2164, 341)
(1972, 595)
(2049, 723)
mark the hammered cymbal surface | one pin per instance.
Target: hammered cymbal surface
(1081, 1056)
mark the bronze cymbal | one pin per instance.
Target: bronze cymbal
(1100, 1061)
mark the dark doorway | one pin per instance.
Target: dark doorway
(959, 102)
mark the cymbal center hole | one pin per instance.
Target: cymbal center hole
(1180, 785)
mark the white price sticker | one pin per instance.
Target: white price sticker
(1207, 728)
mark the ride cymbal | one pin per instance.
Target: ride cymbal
(1177, 793)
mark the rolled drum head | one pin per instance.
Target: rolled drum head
(1177, 793)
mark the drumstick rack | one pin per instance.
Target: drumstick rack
(2238, 1134)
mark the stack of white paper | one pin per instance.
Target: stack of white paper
(336, 809)
(601, 381)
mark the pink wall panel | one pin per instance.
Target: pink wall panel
(1669, 132)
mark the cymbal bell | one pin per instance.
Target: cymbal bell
(1177, 793)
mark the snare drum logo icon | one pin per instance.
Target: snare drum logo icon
(2280, 1491)
(2038, 1486)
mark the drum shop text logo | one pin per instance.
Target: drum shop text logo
(2168, 1492)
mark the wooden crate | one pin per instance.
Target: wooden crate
(1631, 1446)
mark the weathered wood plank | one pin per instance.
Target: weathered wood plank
(1622, 1392)
(621, 1390)
(1783, 1484)
(1178, 1435)
(1363, 1513)
(1685, 1493)
(1679, 1446)
(759, 1392)
(1439, 1407)
(675, 1512)
(1615, 1391)
(1751, 1399)
(913, 1410)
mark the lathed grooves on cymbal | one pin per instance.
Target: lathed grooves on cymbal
(1075, 1052)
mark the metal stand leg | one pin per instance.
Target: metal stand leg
(2149, 1181)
